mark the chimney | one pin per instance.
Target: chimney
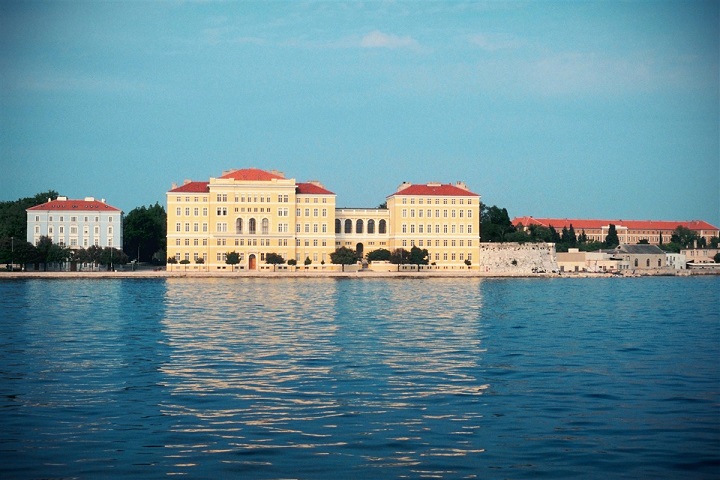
(174, 186)
(186, 181)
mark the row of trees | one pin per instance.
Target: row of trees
(46, 253)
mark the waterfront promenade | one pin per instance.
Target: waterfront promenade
(360, 274)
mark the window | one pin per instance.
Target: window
(338, 225)
(371, 226)
(187, 211)
(239, 226)
(382, 227)
(265, 226)
(359, 226)
(177, 228)
(348, 226)
(252, 226)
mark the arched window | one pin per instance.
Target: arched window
(659, 262)
(338, 225)
(348, 226)
(251, 226)
(371, 226)
(636, 262)
(359, 226)
(647, 264)
(265, 226)
(382, 227)
(238, 226)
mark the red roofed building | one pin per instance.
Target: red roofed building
(629, 231)
(76, 223)
(255, 212)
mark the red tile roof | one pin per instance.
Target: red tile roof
(252, 174)
(579, 224)
(436, 189)
(192, 187)
(312, 189)
(75, 205)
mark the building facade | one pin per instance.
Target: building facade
(251, 212)
(442, 218)
(628, 231)
(255, 212)
(76, 223)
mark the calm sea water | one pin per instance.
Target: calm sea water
(327, 378)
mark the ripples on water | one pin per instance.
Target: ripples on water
(283, 378)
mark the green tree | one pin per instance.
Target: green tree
(418, 256)
(343, 256)
(494, 223)
(381, 254)
(13, 217)
(199, 260)
(232, 258)
(307, 261)
(43, 247)
(714, 241)
(684, 237)
(172, 260)
(112, 256)
(274, 259)
(716, 258)
(94, 254)
(144, 232)
(582, 238)
(400, 256)
(611, 239)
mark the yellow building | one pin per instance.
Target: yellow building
(442, 218)
(254, 212)
(251, 212)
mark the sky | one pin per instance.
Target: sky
(589, 109)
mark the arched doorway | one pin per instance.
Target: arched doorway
(359, 250)
(252, 262)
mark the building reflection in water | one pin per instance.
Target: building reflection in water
(323, 368)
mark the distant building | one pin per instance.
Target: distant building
(700, 255)
(639, 257)
(595, 262)
(628, 231)
(675, 261)
(76, 223)
(255, 212)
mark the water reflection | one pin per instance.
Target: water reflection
(334, 371)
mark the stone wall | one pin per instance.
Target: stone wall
(517, 258)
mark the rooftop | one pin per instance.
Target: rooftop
(65, 204)
(579, 224)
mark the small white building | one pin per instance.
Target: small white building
(76, 223)
(676, 261)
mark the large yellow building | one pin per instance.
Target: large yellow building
(254, 212)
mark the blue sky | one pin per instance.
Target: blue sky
(551, 109)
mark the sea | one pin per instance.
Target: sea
(382, 378)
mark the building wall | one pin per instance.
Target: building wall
(314, 228)
(517, 258)
(700, 255)
(366, 228)
(209, 219)
(252, 218)
(446, 225)
(76, 227)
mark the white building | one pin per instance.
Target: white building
(76, 223)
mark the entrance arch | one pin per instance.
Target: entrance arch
(252, 262)
(359, 250)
